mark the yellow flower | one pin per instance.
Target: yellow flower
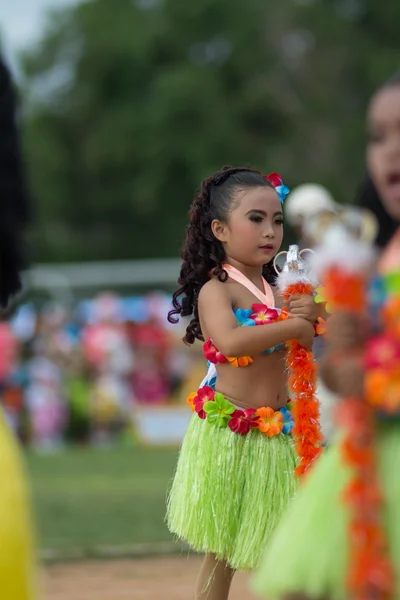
(319, 298)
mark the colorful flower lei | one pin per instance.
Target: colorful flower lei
(258, 314)
(382, 356)
(370, 574)
(213, 406)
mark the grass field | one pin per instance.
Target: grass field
(85, 498)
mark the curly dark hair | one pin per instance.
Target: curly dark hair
(202, 252)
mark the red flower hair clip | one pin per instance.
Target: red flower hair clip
(281, 189)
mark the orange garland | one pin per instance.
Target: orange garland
(302, 383)
(370, 573)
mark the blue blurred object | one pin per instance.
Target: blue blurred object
(135, 309)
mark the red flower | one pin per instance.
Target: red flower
(263, 315)
(204, 394)
(198, 407)
(274, 178)
(382, 351)
(242, 420)
(211, 352)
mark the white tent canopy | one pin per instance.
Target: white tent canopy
(74, 276)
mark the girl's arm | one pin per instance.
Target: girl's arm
(341, 366)
(344, 377)
(218, 320)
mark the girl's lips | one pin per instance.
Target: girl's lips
(393, 186)
(393, 178)
(267, 248)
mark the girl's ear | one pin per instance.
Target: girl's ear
(220, 230)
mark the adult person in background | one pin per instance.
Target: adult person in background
(16, 547)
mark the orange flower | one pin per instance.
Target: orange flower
(321, 327)
(375, 384)
(391, 315)
(392, 403)
(240, 361)
(270, 421)
(382, 389)
(283, 315)
(391, 308)
(190, 399)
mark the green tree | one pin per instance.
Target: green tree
(130, 103)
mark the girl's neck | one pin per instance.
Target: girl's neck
(254, 274)
(390, 259)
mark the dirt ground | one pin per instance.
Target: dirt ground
(167, 578)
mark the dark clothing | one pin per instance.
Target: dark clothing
(14, 200)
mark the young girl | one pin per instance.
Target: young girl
(312, 550)
(235, 472)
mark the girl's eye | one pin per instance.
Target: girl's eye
(279, 222)
(256, 219)
(375, 137)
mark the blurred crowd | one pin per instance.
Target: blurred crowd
(76, 375)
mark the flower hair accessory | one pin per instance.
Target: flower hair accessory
(281, 189)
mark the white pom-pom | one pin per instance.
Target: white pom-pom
(296, 269)
(340, 248)
(287, 278)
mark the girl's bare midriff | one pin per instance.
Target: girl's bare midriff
(263, 382)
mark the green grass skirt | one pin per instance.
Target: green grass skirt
(308, 552)
(229, 491)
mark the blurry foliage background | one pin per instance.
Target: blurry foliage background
(128, 104)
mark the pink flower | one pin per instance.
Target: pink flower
(382, 351)
(242, 420)
(204, 394)
(262, 314)
(211, 353)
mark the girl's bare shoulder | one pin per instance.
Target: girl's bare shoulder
(214, 290)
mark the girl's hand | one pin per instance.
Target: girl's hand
(304, 307)
(305, 332)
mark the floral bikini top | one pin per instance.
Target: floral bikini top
(262, 313)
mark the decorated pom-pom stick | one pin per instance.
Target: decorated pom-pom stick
(295, 278)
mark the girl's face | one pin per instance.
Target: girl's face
(254, 231)
(383, 149)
